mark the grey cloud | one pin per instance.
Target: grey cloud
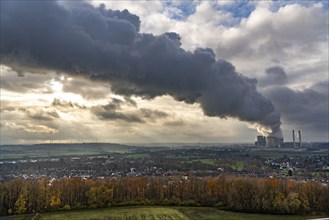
(66, 104)
(130, 101)
(31, 128)
(321, 87)
(113, 115)
(43, 115)
(273, 76)
(115, 104)
(20, 74)
(106, 46)
(38, 123)
(24, 82)
(112, 111)
(5, 105)
(153, 114)
(109, 112)
(28, 130)
(176, 123)
(307, 108)
(34, 113)
(291, 35)
(86, 88)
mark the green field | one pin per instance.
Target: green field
(60, 150)
(239, 166)
(154, 213)
(205, 161)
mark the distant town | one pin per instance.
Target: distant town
(305, 161)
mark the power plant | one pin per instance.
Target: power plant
(276, 142)
(269, 141)
(294, 144)
(272, 141)
(300, 138)
(261, 141)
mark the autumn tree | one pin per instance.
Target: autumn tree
(20, 204)
(265, 195)
(99, 196)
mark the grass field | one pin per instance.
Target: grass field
(132, 213)
(154, 213)
(60, 150)
(205, 161)
(239, 166)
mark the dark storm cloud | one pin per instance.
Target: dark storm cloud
(305, 108)
(106, 45)
(273, 76)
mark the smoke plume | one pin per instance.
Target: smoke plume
(106, 45)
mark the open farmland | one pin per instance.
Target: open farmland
(155, 213)
(60, 150)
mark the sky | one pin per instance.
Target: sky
(163, 71)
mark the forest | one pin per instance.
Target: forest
(245, 194)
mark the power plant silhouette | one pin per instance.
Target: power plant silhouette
(277, 142)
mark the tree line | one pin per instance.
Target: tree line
(246, 194)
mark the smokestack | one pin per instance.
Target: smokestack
(300, 138)
(293, 138)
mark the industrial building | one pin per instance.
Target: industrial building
(276, 142)
(270, 141)
(293, 144)
(261, 141)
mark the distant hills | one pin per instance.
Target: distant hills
(59, 149)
